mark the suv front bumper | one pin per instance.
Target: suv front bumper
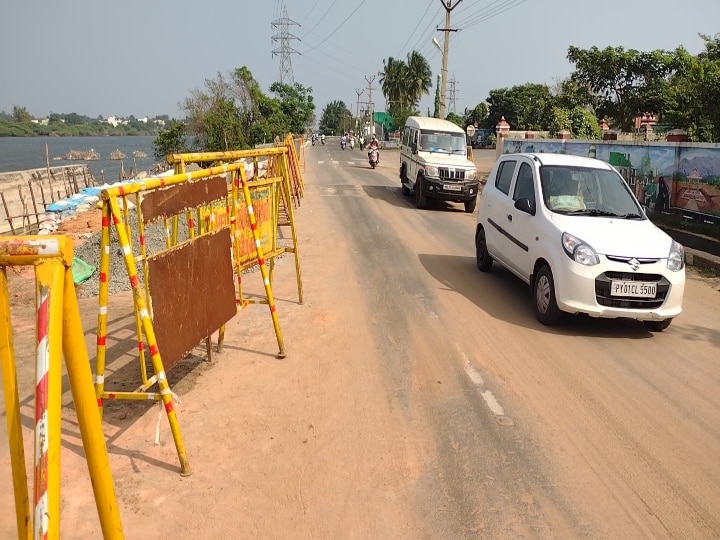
(450, 190)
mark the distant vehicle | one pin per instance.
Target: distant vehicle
(481, 138)
(572, 229)
(434, 163)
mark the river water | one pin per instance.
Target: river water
(20, 153)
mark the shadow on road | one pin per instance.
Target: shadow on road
(505, 297)
(393, 195)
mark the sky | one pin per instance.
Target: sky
(143, 58)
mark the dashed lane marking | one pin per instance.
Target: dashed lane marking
(486, 394)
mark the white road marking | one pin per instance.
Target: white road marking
(320, 162)
(335, 162)
(478, 381)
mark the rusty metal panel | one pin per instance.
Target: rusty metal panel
(192, 293)
(173, 200)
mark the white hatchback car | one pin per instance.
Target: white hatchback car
(572, 229)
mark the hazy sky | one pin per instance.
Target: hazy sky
(143, 57)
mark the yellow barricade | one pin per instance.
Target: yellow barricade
(59, 332)
(216, 224)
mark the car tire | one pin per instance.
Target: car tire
(420, 199)
(482, 256)
(657, 326)
(403, 181)
(470, 205)
(546, 308)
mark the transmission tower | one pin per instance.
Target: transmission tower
(453, 93)
(282, 28)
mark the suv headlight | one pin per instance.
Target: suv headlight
(579, 251)
(430, 170)
(676, 257)
(471, 174)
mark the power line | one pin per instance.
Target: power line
(309, 12)
(321, 18)
(416, 27)
(338, 27)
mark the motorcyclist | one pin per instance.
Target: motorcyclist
(343, 142)
(374, 145)
(322, 138)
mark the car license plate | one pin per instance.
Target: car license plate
(637, 289)
(452, 187)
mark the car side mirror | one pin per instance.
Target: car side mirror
(524, 205)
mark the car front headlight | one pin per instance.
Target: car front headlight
(579, 251)
(430, 170)
(471, 174)
(676, 257)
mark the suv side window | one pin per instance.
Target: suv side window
(506, 169)
(524, 185)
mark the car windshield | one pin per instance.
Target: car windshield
(587, 191)
(442, 141)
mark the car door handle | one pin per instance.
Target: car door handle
(509, 216)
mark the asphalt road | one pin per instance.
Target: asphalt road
(593, 428)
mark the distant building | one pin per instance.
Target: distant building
(113, 121)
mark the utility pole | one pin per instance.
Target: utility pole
(285, 50)
(371, 105)
(357, 113)
(449, 6)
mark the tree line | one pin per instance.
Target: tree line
(612, 84)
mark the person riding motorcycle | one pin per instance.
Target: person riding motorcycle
(374, 144)
(322, 138)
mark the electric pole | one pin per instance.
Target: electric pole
(449, 6)
(284, 50)
(371, 105)
(357, 113)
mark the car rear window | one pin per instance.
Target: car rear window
(506, 169)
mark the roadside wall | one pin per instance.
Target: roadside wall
(663, 175)
(26, 194)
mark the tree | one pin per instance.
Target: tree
(419, 78)
(404, 83)
(478, 114)
(579, 121)
(455, 119)
(172, 140)
(296, 103)
(21, 114)
(694, 92)
(436, 113)
(336, 118)
(626, 83)
(525, 107)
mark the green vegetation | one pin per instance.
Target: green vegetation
(20, 124)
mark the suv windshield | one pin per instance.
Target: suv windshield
(442, 141)
(587, 191)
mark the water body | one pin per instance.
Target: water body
(20, 153)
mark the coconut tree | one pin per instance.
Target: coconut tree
(419, 78)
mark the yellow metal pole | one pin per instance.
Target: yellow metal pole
(49, 274)
(152, 342)
(291, 219)
(103, 295)
(12, 413)
(261, 262)
(88, 415)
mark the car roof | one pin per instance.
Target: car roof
(428, 122)
(563, 159)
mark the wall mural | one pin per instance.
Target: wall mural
(662, 175)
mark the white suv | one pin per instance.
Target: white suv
(571, 228)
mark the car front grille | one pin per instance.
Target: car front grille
(617, 258)
(446, 173)
(603, 297)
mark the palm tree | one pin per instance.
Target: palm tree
(419, 78)
(392, 82)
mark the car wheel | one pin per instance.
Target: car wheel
(546, 308)
(657, 326)
(470, 205)
(482, 257)
(420, 199)
(403, 180)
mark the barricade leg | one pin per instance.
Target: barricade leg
(103, 295)
(165, 393)
(12, 412)
(88, 414)
(49, 275)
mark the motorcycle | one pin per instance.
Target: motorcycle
(352, 144)
(342, 144)
(373, 157)
(322, 140)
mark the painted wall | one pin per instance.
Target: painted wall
(663, 175)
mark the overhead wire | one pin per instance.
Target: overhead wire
(430, 3)
(309, 12)
(320, 19)
(338, 27)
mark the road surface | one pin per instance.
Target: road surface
(419, 399)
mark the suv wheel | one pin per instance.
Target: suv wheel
(420, 199)
(546, 308)
(657, 326)
(470, 205)
(403, 180)
(482, 257)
